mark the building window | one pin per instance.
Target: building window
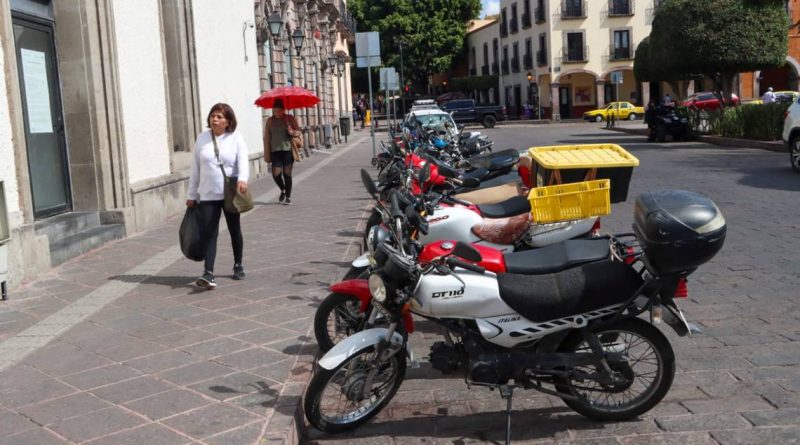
(515, 57)
(621, 48)
(505, 60)
(495, 57)
(473, 62)
(620, 7)
(485, 67)
(541, 53)
(572, 9)
(503, 23)
(526, 14)
(514, 27)
(287, 56)
(540, 13)
(575, 50)
(528, 58)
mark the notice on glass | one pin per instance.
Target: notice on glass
(37, 91)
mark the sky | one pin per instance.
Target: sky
(490, 7)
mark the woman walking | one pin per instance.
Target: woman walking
(278, 133)
(220, 145)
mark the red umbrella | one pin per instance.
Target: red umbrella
(293, 97)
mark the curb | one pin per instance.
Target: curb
(774, 146)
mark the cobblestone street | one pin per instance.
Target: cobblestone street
(119, 347)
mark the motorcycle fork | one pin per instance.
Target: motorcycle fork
(382, 352)
(594, 342)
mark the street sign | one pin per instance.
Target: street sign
(368, 49)
(616, 77)
(387, 75)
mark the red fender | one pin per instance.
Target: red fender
(360, 290)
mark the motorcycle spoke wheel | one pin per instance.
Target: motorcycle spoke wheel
(335, 399)
(337, 318)
(641, 377)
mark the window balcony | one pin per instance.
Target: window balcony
(622, 53)
(515, 64)
(573, 10)
(505, 66)
(495, 69)
(620, 8)
(503, 29)
(526, 21)
(539, 15)
(513, 25)
(527, 61)
(485, 70)
(541, 57)
(578, 54)
(473, 72)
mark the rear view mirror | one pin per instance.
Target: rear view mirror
(425, 173)
(466, 251)
(470, 182)
(369, 184)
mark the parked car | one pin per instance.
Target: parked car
(780, 96)
(425, 104)
(791, 135)
(620, 110)
(433, 118)
(466, 111)
(707, 101)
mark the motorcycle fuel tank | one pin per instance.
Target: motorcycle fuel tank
(446, 297)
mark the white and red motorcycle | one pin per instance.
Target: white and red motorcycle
(575, 334)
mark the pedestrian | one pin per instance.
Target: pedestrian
(278, 134)
(220, 145)
(768, 97)
(668, 102)
(650, 120)
(361, 111)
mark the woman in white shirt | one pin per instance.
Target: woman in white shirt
(206, 186)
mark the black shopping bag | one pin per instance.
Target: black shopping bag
(193, 244)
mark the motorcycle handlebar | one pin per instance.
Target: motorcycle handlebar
(455, 262)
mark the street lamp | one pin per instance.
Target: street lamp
(530, 92)
(298, 37)
(340, 66)
(332, 63)
(275, 25)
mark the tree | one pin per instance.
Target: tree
(716, 39)
(432, 32)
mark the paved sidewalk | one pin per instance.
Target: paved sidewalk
(119, 347)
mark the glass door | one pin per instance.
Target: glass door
(44, 122)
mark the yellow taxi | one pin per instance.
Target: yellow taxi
(780, 96)
(620, 110)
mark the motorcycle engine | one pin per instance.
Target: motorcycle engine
(445, 358)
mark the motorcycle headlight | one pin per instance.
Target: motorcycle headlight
(377, 288)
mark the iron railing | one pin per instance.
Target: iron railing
(573, 9)
(617, 8)
(622, 53)
(539, 13)
(515, 64)
(527, 61)
(541, 57)
(576, 54)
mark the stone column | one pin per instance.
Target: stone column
(555, 101)
(601, 93)
(645, 93)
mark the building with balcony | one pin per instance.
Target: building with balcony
(561, 58)
(101, 102)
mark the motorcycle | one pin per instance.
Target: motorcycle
(577, 334)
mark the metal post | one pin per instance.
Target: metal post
(402, 85)
(369, 106)
(617, 94)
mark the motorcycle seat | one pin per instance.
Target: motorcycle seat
(510, 207)
(556, 257)
(503, 230)
(574, 291)
(496, 160)
(478, 173)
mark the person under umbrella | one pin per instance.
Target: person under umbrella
(278, 133)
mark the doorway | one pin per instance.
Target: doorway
(518, 100)
(44, 122)
(565, 101)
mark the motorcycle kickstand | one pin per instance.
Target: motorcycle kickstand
(507, 392)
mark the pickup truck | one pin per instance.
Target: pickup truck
(465, 111)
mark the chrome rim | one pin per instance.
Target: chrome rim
(343, 320)
(636, 377)
(341, 400)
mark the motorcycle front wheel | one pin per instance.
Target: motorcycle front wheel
(337, 317)
(334, 399)
(641, 379)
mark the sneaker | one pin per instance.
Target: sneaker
(238, 272)
(207, 281)
(282, 197)
(287, 201)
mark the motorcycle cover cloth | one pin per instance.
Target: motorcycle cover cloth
(193, 244)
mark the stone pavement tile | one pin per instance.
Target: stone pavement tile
(184, 338)
(767, 373)
(245, 435)
(133, 389)
(251, 358)
(215, 347)
(702, 422)
(773, 417)
(195, 372)
(233, 327)
(380, 440)
(783, 436)
(234, 385)
(161, 361)
(210, 420)
(276, 371)
(223, 302)
(33, 437)
(56, 410)
(267, 335)
(124, 323)
(157, 329)
(729, 404)
(257, 403)
(36, 388)
(176, 312)
(14, 423)
(775, 359)
(129, 349)
(168, 403)
(776, 395)
(791, 385)
(96, 424)
(204, 320)
(151, 433)
(92, 337)
(62, 358)
(100, 376)
(699, 438)
(589, 441)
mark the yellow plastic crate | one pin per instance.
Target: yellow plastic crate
(559, 157)
(570, 201)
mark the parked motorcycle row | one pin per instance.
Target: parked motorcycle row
(555, 307)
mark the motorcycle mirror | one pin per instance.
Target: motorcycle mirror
(424, 173)
(369, 184)
(394, 206)
(468, 252)
(470, 182)
(447, 172)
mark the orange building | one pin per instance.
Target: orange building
(785, 78)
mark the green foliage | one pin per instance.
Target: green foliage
(480, 83)
(717, 39)
(641, 62)
(432, 32)
(761, 122)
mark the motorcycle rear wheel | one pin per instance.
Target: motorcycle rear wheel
(330, 390)
(645, 377)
